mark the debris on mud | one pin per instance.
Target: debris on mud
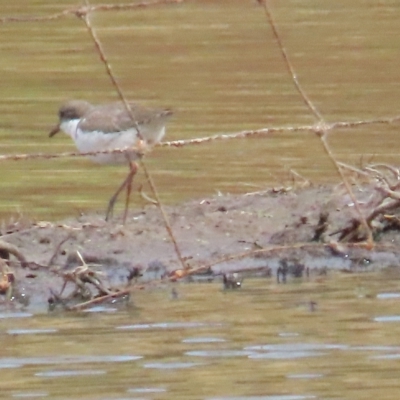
(276, 233)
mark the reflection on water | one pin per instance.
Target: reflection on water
(171, 365)
(304, 376)
(262, 398)
(203, 340)
(66, 360)
(29, 395)
(219, 353)
(164, 325)
(388, 318)
(146, 390)
(290, 347)
(30, 331)
(387, 357)
(7, 315)
(385, 296)
(63, 374)
(275, 355)
(254, 343)
(100, 309)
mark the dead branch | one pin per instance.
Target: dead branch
(7, 248)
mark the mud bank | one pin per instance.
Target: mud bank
(296, 231)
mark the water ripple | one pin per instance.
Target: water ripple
(219, 353)
(278, 397)
(203, 340)
(166, 325)
(57, 374)
(172, 365)
(18, 362)
(30, 331)
(388, 318)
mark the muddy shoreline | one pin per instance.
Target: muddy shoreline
(296, 231)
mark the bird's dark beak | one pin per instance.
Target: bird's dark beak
(55, 130)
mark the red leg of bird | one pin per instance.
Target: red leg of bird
(127, 183)
(133, 169)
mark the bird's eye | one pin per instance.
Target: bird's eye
(64, 114)
(67, 114)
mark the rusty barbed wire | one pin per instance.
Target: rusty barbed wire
(322, 132)
(206, 139)
(19, 157)
(84, 10)
(104, 60)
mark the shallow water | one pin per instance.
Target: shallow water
(217, 65)
(263, 341)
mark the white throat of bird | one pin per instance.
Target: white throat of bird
(69, 126)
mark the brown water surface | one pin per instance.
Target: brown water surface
(218, 66)
(264, 341)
